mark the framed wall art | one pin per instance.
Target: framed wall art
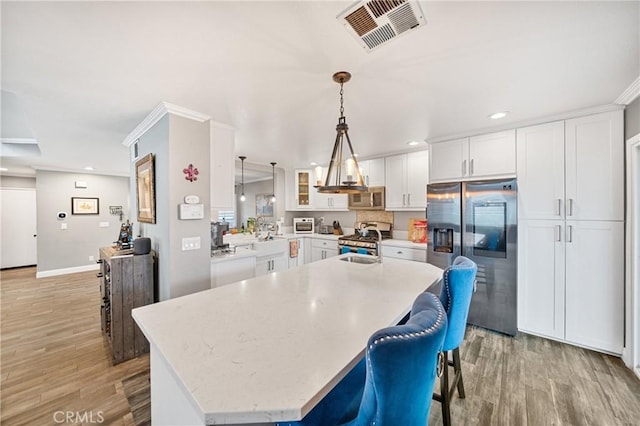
(85, 205)
(264, 206)
(145, 189)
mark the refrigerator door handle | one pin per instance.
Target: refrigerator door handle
(558, 233)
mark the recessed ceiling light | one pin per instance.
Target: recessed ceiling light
(413, 143)
(355, 155)
(313, 163)
(3, 169)
(88, 168)
(497, 115)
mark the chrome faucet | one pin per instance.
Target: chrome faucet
(367, 227)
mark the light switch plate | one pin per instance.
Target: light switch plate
(63, 225)
(191, 243)
(104, 224)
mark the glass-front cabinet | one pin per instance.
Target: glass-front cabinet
(303, 189)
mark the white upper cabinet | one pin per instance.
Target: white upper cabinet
(373, 172)
(222, 167)
(540, 154)
(484, 156)
(572, 169)
(493, 154)
(406, 179)
(594, 149)
(331, 202)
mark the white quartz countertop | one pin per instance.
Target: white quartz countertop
(271, 347)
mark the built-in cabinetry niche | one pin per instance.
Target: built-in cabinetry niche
(571, 230)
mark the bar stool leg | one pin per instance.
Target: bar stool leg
(444, 391)
(457, 367)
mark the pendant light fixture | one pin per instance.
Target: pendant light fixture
(242, 196)
(343, 176)
(273, 189)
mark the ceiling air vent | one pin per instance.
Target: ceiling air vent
(375, 22)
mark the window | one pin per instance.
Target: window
(228, 216)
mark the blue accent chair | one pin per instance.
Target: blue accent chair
(455, 295)
(392, 384)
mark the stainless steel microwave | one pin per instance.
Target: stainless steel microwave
(372, 199)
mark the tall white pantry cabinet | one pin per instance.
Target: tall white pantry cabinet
(571, 230)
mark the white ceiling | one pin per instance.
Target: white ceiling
(87, 73)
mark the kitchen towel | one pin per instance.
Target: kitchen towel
(293, 248)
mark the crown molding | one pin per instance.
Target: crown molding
(533, 122)
(79, 172)
(630, 94)
(158, 112)
(222, 125)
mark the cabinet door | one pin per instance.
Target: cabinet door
(449, 160)
(279, 263)
(540, 158)
(396, 178)
(595, 284)
(417, 180)
(595, 167)
(317, 253)
(541, 252)
(373, 172)
(493, 154)
(303, 189)
(263, 266)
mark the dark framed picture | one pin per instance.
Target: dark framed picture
(145, 189)
(85, 205)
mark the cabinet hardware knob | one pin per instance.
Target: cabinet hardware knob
(100, 275)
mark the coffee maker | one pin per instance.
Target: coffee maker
(218, 229)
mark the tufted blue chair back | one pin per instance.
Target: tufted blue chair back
(455, 295)
(401, 368)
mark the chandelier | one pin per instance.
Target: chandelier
(343, 175)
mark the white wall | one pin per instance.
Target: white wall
(70, 248)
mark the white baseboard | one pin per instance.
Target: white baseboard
(64, 271)
(637, 371)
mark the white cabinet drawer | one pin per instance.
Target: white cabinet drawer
(404, 253)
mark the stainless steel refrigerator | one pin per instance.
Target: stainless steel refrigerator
(479, 220)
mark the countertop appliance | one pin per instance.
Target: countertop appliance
(325, 229)
(218, 229)
(479, 220)
(365, 242)
(303, 225)
(372, 199)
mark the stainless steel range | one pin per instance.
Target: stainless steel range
(364, 242)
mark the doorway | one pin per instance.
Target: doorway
(632, 288)
(18, 245)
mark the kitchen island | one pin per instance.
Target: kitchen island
(271, 347)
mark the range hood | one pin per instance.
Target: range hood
(376, 22)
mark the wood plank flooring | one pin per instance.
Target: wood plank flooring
(54, 359)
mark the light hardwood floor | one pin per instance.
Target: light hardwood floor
(54, 359)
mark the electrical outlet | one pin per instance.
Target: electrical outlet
(91, 258)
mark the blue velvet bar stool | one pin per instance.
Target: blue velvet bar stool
(402, 362)
(393, 382)
(455, 295)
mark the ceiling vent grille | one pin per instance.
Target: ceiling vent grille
(375, 22)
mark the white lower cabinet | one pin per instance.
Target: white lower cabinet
(323, 249)
(594, 291)
(406, 253)
(232, 270)
(571, 281)
(271, 263)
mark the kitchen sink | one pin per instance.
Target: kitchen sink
(360, 259)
